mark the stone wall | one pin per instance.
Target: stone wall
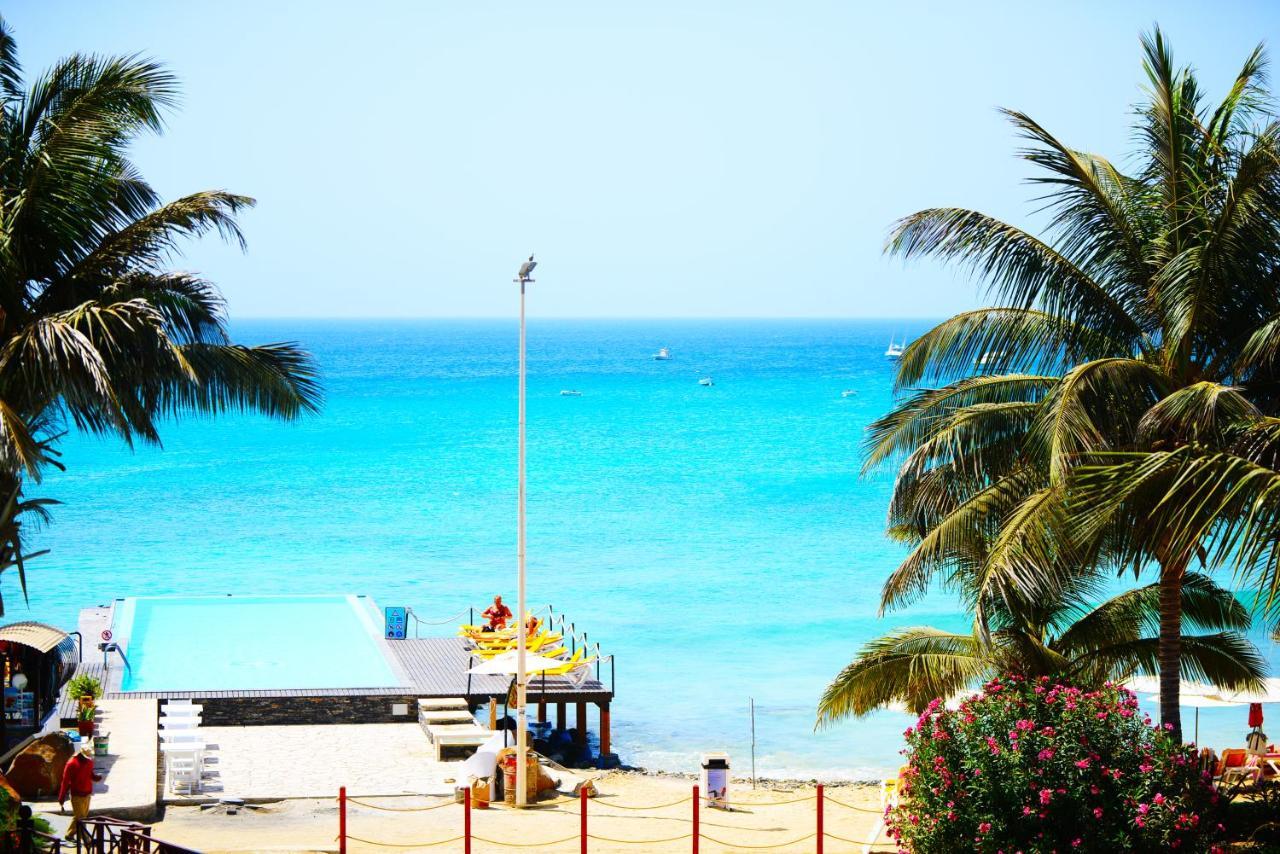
(283, 711)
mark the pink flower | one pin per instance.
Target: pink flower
(1143, 808)
(1097, 812)
(1045, 755)
(1025, 724)
(1046, 795)
(1082, 763)
(985, 827)
(1159, 798)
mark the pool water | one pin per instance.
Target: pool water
(219, 643)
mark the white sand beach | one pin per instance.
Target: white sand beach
(774, 813)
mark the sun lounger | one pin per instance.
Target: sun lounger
(456, 736)
(435, 704)
(445, 716)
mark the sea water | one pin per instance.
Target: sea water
(719, 540)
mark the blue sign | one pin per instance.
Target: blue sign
(397, 619)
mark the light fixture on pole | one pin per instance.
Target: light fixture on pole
(523, 277)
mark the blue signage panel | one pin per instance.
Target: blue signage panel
(397, 619)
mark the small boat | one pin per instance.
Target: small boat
(706, 381)
(663, 354)
(848, 393)
(988, 358)
(570, 392)
(895, 350)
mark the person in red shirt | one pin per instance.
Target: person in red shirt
(78, 778)
(497, 614)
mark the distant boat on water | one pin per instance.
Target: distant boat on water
(988, 358)
(848, 393)
(895, 350)
(663, 354)
(706, 381)
(570, 392)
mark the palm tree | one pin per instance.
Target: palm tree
(1153, 292)
(1064, 637)
(96, 331)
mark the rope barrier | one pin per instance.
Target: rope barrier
(626, 807)
(448, 803)
(423, 622)
(856, 842)
(832, 800)
(639, 841)
(735, 804)
(405, 844)
(759, 847)
(522, 844)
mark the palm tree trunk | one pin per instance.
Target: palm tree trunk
(1170, 651)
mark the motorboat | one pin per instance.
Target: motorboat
(570, 392)
(706, 381)
(895, 350)
(848, 393)
(663, 354)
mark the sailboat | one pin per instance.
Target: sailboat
(895, 350)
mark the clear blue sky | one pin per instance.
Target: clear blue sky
(663, 159)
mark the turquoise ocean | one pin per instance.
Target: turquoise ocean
(720, 541)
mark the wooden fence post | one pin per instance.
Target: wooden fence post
(342, 820)
(466, 822)
(821, 834)
(583, 812)
(697, 802)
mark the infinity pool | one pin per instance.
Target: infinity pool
(218, 643)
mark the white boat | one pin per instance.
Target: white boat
(895, 350)
(989, 358)
(570, 392)
(706, 381)
(663, 354)
(848, 393)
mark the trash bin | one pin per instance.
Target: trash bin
(715, 779)
(507, 760)
(100, 744)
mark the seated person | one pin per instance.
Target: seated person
(497, 614)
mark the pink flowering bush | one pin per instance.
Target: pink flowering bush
(1036, 766)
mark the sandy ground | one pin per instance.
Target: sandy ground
(774, 814)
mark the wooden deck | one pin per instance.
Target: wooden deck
(432, 667)
(437, 667)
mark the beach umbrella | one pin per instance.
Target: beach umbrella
(508, 663)
(1198, 702)
(1269, 693)
(1255, 715)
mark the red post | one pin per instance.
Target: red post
(583, 813)
(820, 832)
(342, 820)
(697, 802)
(466, 821)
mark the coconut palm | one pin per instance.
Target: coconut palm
(97, 332)
(1065, 637)
(1151, 295)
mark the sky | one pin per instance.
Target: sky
(664, 159)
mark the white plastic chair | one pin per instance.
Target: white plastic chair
(179, 723)
(180, 736)
(181, 711)
(184, 770)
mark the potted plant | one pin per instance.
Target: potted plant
(85, 724)
(86, 689)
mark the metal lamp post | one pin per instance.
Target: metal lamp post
(523, 277)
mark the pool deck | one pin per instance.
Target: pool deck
(128, 789)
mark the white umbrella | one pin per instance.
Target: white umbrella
(1151, 685)
(1198, 702)
(507, 663)
(1270, 693)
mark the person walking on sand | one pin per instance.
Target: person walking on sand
(78, 778)
(497, 614)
